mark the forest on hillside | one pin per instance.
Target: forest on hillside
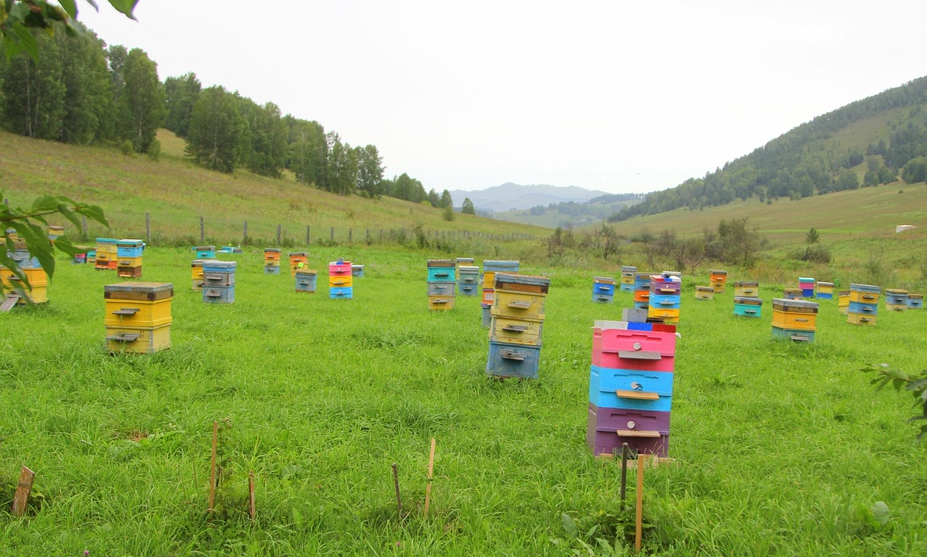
(79, 90)
(802, 163)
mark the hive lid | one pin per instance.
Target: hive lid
(139, 291)
(605, 280)
(468, 269)
(441, 263)
(795, 304)
(746, 283)
(311, 272)
(864, 287)
(204, 248)
(292, 253)
(895, 291)
(272, 250)
(129, 242)
(748, 300)
(533, 280)
(220, 265)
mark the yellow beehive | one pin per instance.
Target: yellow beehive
(704, 293)
(139, 340)
(441, 302)
(340, 281)
(861, 319)
(864, 297)
(843, 301)
(746, 289)
(516, 331)
(794, 321)
(138, 316)
(518, 305)
(38, 281)
(667, 315)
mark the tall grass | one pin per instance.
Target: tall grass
(779, 448)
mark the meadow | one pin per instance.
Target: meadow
(778, 448)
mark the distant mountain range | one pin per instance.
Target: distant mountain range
(510, 196)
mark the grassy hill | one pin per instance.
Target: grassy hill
(176, 194)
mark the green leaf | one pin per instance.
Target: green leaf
(881, 513)
(124, 6)
(568, 525)
(26, 41)
(93, 212)
(44, 203)
(69, 214)
(63, 244)
(70, 7)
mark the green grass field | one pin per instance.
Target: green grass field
(779, 448)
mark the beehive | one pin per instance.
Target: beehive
(746, 289)
(718, 280)
(825, 290)
(306, 280)
(748, 306)
(806, 284)
(468, 280)
(219, 281)
(843, 301)
(704, 292)
(915, 301)
(196, 273)
(357, 270)
(664, 301)
(603, 289)
(794, 319)
(516, 325)
(630, 387)
(490, 268)
(138, 316)
(863, 304)
(627, 278)
(340, 280)
(641, 290)
(271, 261)
(37, 292)
(792, 293)
(107, 254)
(55, 232)
(298, 260)
(205, 252)
(896, 299)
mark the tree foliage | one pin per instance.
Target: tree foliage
(142, 102)
(467, 208)
(915, 385)
(215, 130)
(31, 226)
(180, 94)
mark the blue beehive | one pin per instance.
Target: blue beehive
(205, 252)
(306, 280)
(341, 292)
(603, 289)
(513, 360)
(129, 248)
(915, 301)
(746, 306)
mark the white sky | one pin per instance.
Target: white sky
(613, 95)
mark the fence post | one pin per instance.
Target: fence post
(148, 227)
(278, 234)
(381, 235)
(349, 235)
(307, 235)
(333, 234)
(368, 235)
(202, 231)
(244, 238)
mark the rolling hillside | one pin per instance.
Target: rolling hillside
(176, 194)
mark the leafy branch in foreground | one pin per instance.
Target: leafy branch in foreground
(26, 223)
(916, 385)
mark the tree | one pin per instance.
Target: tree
(468, 209)
(263, 147)
(369, 171)
(433, 198)
(446, 199)
(26, 223)
(34, 93)
(88, 89)
(307, 150)
(915, 170)
(341, 170)
(448, 214)
(181, 94)
(215, 130)
(812, 237)
(19, 17)
(142, 100)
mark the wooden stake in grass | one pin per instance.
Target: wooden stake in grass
(431, 467)
(396, 481)
(21, 499)
(212, 466)
(639, 519)
(251, 493)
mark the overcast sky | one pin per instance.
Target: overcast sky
(613, 95)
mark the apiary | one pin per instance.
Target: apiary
(516, 325)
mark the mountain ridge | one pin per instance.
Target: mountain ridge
(510, 195)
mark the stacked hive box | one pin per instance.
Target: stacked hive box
(843, 301)
(138, 316)
(464, 261)
(748, 306)
(229, 249)
(915, 301)
(603, 289)
(794, 319)
(441, 282)
(664, 298)
(129, 258)
(196, 273)
(357, 270)
(55, 232)
(807, 287)
(298, 260)
(306, 280)
(627, 278)
(107, 257)
(792, 293)
(38, 282)
(630, 387)
(205, 252)
(747, 289)
(468, 280)
(864, 304)
(517, 319)
(271, 261)
(825, 290)
(219, 281)
(704, 293)
(896, 300)
(340, 280)
(718, 280)
(490, 268)
(641, 290)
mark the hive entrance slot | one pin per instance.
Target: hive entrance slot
(638, 355)
(126, 311)
(636, 433)
(637, 395)
(125, 337)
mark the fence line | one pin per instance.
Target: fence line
(288, 236)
